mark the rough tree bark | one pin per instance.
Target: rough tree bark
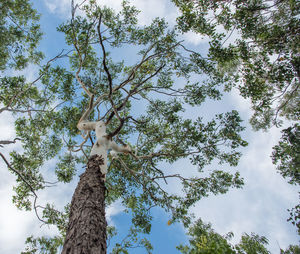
(86, 232)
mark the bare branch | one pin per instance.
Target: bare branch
(83, 142)
(131, 92)
(104, 56)
(81, 60)
(7, 142)
(86, 114)
(143, 60)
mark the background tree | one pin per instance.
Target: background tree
(254, 46)
(262, 58)
(292, 249)
(204, 240)
(287, 155)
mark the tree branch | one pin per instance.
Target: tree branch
(28, 184)
(7, 142)
(104, 57)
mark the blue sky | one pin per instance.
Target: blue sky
(260, 207)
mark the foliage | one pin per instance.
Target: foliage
(295, 216)
(19, 37)
(19, 34)
(205, 240)
(255, 46)
(262, 58)
(160, 81)
(42, 245)
(292, 249)
(287, 154)
(142, 103)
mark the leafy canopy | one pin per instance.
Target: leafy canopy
(142, 99)
(204, 240)
(19, 34)
(255, 44)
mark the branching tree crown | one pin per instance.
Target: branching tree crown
(93, 88)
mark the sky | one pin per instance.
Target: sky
(260, 207)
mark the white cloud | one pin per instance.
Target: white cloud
(7, 130)
(116, 4)
(60, 7)
(155, 8)
(149, 9)
(17, 225)
(244, 105)
(14, 224)
(195, 39)
(113, 210)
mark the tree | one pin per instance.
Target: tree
(19, 37)
(261, 60)
(109, 91)
(292, 249)
(204, 240)
(286, 155)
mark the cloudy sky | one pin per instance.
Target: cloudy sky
(260, 207)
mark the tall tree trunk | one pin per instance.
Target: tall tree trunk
(86, 233)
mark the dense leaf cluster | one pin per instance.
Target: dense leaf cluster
(19, 34)
(204, 240)
(287, 154)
